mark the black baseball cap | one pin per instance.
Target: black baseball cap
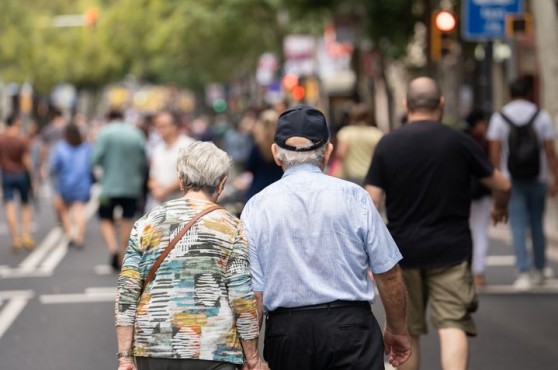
(302, 121)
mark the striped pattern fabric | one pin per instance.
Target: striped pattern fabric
(200, 303)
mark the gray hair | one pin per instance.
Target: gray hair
(291, 158)
(201, 166)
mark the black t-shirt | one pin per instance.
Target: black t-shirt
(425, 169)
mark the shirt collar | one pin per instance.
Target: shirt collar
(305, 167)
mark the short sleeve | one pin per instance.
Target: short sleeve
(497, 130)
(376, 175)
(547, 127)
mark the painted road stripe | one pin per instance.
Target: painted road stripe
(16, 302)
(500, 260)
(34, 259)
(91, 295)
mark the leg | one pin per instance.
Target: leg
(453, 299)
(518, 223)
(78, 209)
(107, 230)
(536, 205)
(414, 361)
(454, 349)
(480, 214)
(11, 220)
(64, 218)
(125, 229)
(26, 212)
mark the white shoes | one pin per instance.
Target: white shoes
(523, 282)
(526, 281)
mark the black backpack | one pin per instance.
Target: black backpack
(524, 158)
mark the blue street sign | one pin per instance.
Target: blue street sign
(486, 19)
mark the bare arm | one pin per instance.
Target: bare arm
(377, 195)
(495, 150)
(250, 347)
(124, 336)
(259, 307)
(550, 153)
(396, 337)
(501, 191)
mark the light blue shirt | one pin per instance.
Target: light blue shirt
(312, 239)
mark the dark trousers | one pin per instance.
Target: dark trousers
(149, 363)
(337, 337)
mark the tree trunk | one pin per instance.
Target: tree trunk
(389, 91)
(545, 15)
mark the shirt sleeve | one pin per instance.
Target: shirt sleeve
(375, 175)
(497, 130)
(383, 253)
(255, 267)
(548, 132)
(129, 281)
(98, 150)
(239, 287)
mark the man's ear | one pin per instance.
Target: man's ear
(221, 184)
(274, 151)
(328, 152)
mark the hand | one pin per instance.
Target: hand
(126, 363)
(499, 214)
(256, 364)
(397, 347)
(553, 189)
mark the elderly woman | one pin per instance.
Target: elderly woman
(198, 311)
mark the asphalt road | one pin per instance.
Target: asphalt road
(56, 308)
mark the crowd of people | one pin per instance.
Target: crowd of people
(307, 246)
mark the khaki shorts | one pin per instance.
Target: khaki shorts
(449, 293)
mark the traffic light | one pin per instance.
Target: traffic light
(442, 34)
(519, 25)
(90, 17)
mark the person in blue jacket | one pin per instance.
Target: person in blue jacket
(70, 166)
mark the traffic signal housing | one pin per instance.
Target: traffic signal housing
(443, 33)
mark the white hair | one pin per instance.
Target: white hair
(201, 166)
(291, 158)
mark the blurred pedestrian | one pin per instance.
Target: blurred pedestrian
(479, 218)
(424, 169)
(199, 310)
(16, 167)
(260, 163)
(71, 166)
(356, 143)
(312, 240)
(120, 153)
(522, 145)
(163, 183)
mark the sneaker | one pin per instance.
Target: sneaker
(548, 272)
(523, 282)
(537, 277)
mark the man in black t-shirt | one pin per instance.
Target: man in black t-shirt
(424, 169)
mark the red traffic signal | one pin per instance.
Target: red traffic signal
(445, 21)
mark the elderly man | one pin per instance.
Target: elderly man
(313, 238)
(425, 171)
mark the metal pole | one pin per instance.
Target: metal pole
(486, 78)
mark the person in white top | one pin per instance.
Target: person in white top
(528, 192)
(163, 182)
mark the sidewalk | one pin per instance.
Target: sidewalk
(502, 232)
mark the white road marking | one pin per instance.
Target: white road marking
(34, 259)
(104, 270)
(500, 260)
(92, 295)
(16, 302)
(550, 287)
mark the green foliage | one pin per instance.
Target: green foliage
(185, 42)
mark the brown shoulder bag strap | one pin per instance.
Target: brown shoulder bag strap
(173, 242)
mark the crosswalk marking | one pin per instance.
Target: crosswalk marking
(91, 295)
(15, 303)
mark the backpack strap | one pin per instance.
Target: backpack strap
(173, 242)
(509, 121)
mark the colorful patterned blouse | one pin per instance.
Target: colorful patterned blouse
(200, 303)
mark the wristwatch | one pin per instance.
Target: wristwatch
(128, 353)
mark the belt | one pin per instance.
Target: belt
(321, 306)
